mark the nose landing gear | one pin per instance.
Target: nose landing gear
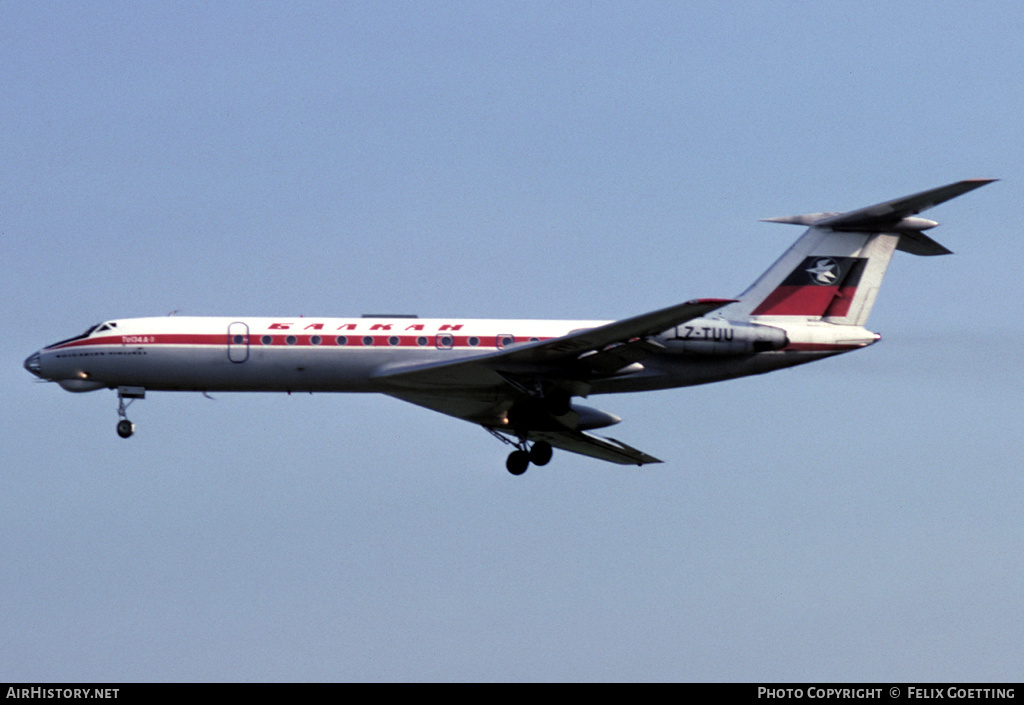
(126, 428)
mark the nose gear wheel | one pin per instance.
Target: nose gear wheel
(125, 397)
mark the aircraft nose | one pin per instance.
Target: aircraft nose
(33, 365)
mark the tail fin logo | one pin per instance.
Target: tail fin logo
(818, 286)
(825, 271)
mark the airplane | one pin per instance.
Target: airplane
(519, 379)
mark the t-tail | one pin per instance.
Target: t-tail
(833, 272)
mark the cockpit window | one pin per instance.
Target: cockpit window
(89, 331)
(103, 327)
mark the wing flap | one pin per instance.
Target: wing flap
(593, 446)
(487, 413)
(616, 356)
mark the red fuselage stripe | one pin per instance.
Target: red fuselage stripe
(351, 340)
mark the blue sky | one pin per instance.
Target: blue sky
(857, 519)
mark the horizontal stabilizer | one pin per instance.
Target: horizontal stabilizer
(920, 244)
(833, 221)
(896, 216)
(807, 219)
(889, 216)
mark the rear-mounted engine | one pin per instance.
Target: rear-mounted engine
(704, 336)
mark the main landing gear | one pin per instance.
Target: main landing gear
(519, 460)
(126, 428)
(540, 410)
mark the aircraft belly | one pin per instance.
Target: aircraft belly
(202, 369)
(668, 372)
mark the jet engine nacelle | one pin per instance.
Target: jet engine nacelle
(534, 415)
(707, 336)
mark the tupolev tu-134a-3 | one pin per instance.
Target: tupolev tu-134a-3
(519, 379)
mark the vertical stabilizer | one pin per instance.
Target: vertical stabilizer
(834, 270)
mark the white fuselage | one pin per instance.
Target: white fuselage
(348, 354)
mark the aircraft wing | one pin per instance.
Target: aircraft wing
(623, 331)
(596, 447)
(579, 355)
(482, 388)
(482, 410)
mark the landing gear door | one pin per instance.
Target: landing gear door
(238, 342)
